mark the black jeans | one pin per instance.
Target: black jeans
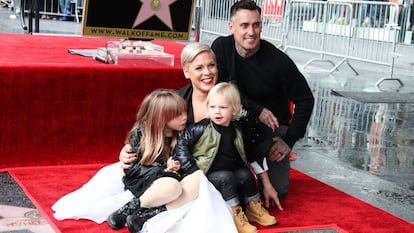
(233, 183)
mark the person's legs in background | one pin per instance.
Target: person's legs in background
(65, 9)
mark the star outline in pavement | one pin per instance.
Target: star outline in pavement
(159, 8)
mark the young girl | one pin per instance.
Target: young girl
(162, 115)
(215, 145)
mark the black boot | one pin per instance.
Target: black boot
(136, 221)
(118, 218)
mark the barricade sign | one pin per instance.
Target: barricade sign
(273, 9)
(132, 19)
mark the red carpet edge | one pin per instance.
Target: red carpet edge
(310, 203)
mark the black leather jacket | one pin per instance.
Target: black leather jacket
(197, 147)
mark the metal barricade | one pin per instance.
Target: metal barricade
(215, 14)
(320, 27)
(17, 12)
(351, 30)
(51, 9)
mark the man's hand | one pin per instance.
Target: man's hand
(267, 118)
(279, 150)
(269, 193)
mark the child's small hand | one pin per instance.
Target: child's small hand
(173, 165)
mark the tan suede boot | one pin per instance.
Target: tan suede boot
(257, 213)
(242, 224)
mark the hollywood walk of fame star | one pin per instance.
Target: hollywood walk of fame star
(160, 8)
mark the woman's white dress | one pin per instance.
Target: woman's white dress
(104, 194)
(97, 199)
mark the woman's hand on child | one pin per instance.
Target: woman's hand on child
(126, 157)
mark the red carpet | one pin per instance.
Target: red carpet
(59, 109)
(310, 204)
